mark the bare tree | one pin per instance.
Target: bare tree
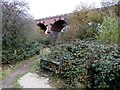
(18, 26)
(106, 3)
(16, 22)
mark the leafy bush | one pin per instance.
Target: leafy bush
(45, 40)
(28, 50)
(88, 64)
(78, 23)
(18, 30)
(107, 74)
(110, 30)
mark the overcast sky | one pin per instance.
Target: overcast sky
(46, 8)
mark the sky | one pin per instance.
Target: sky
(46, 8)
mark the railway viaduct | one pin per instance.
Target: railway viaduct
(57, 23)
(54, 23)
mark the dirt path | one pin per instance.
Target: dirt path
(9, 80)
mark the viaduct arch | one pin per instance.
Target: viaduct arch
(55, 23)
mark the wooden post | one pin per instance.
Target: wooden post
(61, 63)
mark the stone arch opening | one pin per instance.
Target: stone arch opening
(42, 26)
(58, 25)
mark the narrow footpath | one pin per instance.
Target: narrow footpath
(9, 80)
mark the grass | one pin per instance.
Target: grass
(4, 73)
(16, 84)
(36, 65)
(45, 51)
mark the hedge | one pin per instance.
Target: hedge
(88, 64)
(9, 57)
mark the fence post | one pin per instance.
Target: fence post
(61, 62)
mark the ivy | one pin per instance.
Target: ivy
(88, 64)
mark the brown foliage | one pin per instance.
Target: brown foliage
(78, 21)
(78, 25)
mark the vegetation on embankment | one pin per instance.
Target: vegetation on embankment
(20, 35)
(88, 64)
(36, 66)
(101, 24)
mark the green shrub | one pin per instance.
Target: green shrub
(28, 50)
(37, 51)
(107, 74)
(88, 64)
(45, 40)
(110, 30)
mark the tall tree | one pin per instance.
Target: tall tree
(18, 27)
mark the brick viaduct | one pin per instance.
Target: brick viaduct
(55, 23)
